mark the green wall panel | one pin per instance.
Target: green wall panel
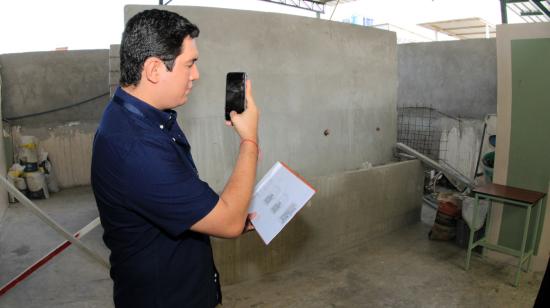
(529, 159)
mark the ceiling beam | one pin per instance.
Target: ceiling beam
(308, 5)
(541, 7)
(538, 5)
(531, 13)
(503, 12)
(468, 27)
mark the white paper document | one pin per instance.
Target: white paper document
(279, 195)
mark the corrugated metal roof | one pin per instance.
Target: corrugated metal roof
(467, 28)
(531, 10)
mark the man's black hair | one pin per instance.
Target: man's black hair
(152, 33)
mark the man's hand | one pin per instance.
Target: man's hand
(230, 217)
(246, 123)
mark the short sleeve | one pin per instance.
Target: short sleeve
(161, 187)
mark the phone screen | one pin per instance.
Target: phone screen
(234, 93)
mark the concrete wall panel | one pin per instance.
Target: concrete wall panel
(308, 75)
(3, 169)
(455, 77)
(41, 81)
(349, 209)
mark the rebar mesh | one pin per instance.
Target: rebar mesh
(417, 129)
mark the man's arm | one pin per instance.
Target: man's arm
(228, 217)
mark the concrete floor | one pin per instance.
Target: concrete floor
(401, 269)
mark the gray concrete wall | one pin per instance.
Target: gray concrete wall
(308, 75)
(42, 81)
(456, 77)
(339, 77)
(3, 170)
(349, 209)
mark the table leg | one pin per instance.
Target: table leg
(487, 225)
(523, 242)
(535, 233)
(472, 231)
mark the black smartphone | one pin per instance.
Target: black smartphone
(235, 88)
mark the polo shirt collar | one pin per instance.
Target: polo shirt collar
(162, 118)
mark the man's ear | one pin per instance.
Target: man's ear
(152, 69)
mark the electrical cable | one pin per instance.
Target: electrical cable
(6, 119)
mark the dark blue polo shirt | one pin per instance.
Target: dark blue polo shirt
(149, 194)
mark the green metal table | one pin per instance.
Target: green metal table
(508, 196)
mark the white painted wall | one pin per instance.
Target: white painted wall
(69, 148)
(460, 142)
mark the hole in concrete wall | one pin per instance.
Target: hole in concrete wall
(326, 132)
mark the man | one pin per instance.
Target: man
(156, 213)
